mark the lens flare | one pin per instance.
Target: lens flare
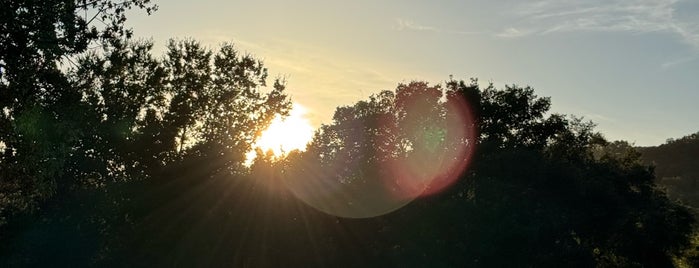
(373, 165)
(442, 153)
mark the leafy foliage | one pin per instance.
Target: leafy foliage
(676, 167)
(538, 190)
(39, 104)
(136, 119)
(118, 113)
(126, 159)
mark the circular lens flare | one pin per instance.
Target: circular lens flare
(371, 166)
(443, 154)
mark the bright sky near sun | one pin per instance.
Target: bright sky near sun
(294, 130)
(284, 135)
(630, 66)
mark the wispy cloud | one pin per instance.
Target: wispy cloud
(314, 71)
(408, 25)
(595, 117)
(402, 24)
(633, 16)
(676, 62)
(512, 33)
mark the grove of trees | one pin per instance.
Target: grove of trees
(676, 167)
(113, 156)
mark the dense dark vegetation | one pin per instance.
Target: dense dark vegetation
(676, 167)
(112, 156)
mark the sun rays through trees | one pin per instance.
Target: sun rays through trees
(112, 155)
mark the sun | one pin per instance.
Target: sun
(286, 134)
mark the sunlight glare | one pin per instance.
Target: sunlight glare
(285, 134)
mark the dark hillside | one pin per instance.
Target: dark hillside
(677, 167)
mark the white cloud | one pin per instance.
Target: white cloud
(512, 33)
(403, 24)
(676, 62)
(319, 78)
(633, 16)
(597, 118)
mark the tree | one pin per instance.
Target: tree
(143, 124)
(380, 154)
(38, 41)
(676, 168)
(537, 189)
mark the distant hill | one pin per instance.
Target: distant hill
(677, 167)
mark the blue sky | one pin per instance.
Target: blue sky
(630, 66)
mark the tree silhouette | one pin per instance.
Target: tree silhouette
(380, 154)
(537, 189)
(111, 156)
(675, 166)
(39, 103)
(135, 126)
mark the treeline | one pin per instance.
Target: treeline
(676, 167)
(112, 156)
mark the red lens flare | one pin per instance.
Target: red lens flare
(429, 170)
(373, 165)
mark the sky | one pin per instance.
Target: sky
(632, 67)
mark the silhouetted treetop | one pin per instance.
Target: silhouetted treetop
(544, 188)
(41, 109)
(124, 115)
(113, 156)
(676, 166)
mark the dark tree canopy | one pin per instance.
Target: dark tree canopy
(75, 116)
(39, 125)
(538, 189)
(134, 120)
(380, 154)
(112, 156)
